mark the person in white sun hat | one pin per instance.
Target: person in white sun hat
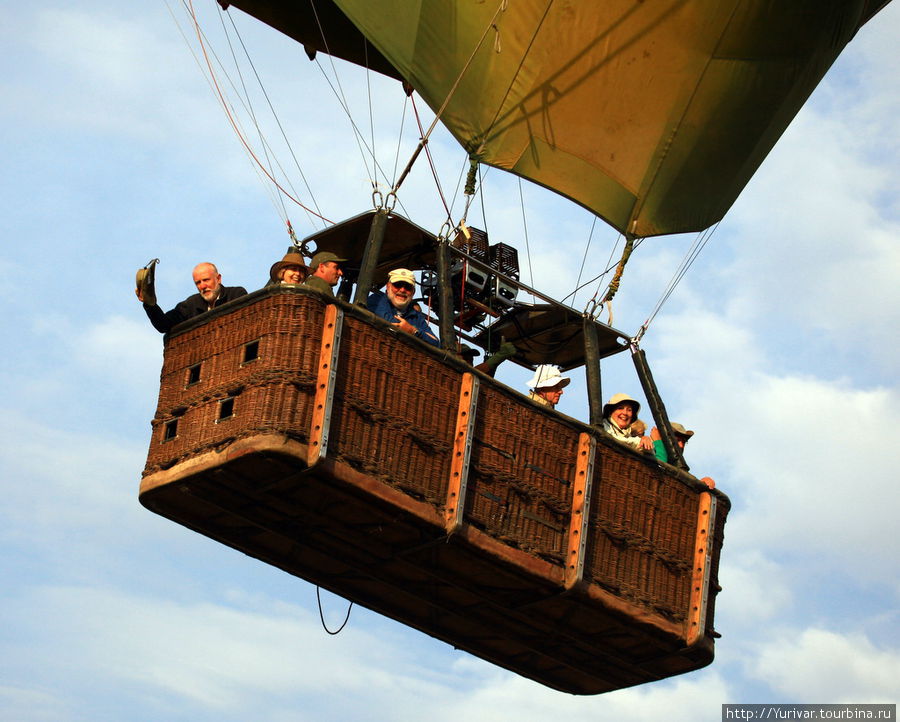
(618, 415)
(547, 385)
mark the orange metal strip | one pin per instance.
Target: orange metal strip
(581, 505)
(321, 416)
(462, 449)
(696, 621)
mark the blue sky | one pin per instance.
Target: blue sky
(779, 348)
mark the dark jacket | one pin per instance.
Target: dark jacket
(188, 308)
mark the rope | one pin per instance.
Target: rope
(626, 254)
(400, 137)
(322, 616)
(342, 100)
(273, 196)
(274, 113)
(690, 256)
(423, 143)
(525, 229)
(587, 247)
(232, 120)
(427, 134)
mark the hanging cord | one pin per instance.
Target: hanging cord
(626, 254)
(274, 196)
(342, 100)
(322, 615)
(400, 137)
(371, 114)
(426, 135)
(696, 247)
(594, 306)
(525, 228)
(515, 75)
(469, 192)
(232, 120)
(271, 108)
(587, 247)
(423, 143)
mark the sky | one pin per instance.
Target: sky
(779, 348)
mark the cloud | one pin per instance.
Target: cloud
(818, 665)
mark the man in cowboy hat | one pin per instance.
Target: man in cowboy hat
(547, 385)
(290, 269)
(395, 304)
(618, 414)
(211, 293)
(325, 272)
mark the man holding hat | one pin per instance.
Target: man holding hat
(325, 272)
(547, 385)
(395, 304)
(210, 293)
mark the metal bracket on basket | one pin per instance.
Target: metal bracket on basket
(706, 524)
(324, 396)
(581, 506)
(462, 452)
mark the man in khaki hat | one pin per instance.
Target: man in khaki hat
(210, 293)
(395, 304)
(325, 272)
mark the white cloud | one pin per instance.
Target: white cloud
(756, 589)
(817, 665)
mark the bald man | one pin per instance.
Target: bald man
(210, 293)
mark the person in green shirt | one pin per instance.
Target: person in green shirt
(682, 436)
(324, 272)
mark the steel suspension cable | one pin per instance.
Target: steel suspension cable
(690, 256)
(274, 113)
(249, 106)
(232, 120)
(274, 197)
(426, 135)
(583, 258)
(424, 143)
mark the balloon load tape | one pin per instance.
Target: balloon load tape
(145, 280)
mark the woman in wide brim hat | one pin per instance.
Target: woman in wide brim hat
(618, 415)
(292, 263)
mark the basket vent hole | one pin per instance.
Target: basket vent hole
(251, 351)
(194, 374)
(226, 409)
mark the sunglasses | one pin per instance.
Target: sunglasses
(404, 285)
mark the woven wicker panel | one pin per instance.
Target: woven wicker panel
(394, 412)
(521, 474)
(288, 327)
(270, 406)
(643, 524)
(272, 393)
